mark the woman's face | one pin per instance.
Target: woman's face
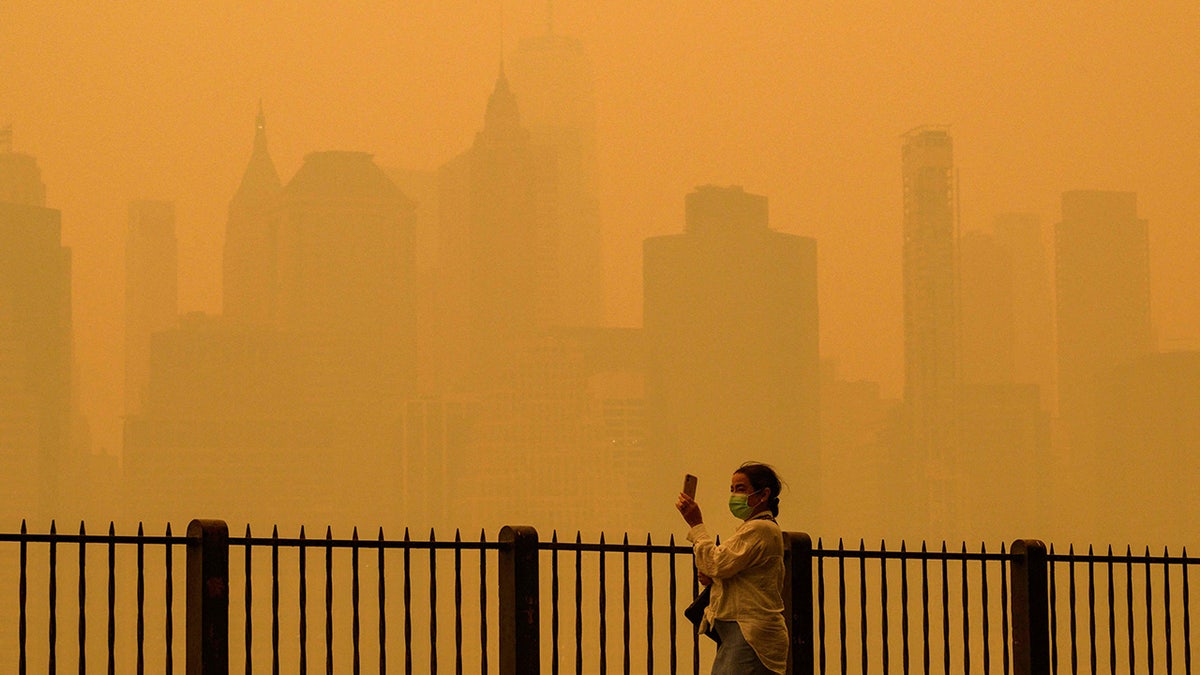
(755, 499)
(740, 485)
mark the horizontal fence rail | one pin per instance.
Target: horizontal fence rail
(521, 604)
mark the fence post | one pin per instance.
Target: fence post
(1030, 608)
(798, 601)
(207, 598)
(519, 623)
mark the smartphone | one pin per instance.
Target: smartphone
(689, 485)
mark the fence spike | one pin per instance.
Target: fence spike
(168, 529)
(943, 546)
(964, 548)
(247, 530)
(301, 533)
(354, 534)
(602, 538)
(923, 548)
(81, 532)
(672, 540)
(329, 532)
(840, 544)
(432, 538)
(457, 535)
(553, 536)
(882, 545)
(1071, 549)
(862, 545)
(903, 546)
(112, 529)
(52, 530)
(380, 533)
(625, 541)
(820, 546)
(482, 536)
(275, 531)
(406, 537)
(23, 531)
(648, 539)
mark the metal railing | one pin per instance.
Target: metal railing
(1141, 623)
(478, 606)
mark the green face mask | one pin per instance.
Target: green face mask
(740, 507)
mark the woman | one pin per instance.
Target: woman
(746, 573)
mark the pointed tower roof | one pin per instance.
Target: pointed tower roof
(261, 180)
(503, 120)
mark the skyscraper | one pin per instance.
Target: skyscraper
(987, 346)
(35, 340)
(151, 290)
(345, 281)
(931, 312)
(250, 238)
(1102, 277)
(1033, 302)
(730, 321)
(552, 79)
(499, 244)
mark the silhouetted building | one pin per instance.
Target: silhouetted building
(1003, 426)
(248, 265)
(1102, 275)
(151, 290)
(858, 482)
(220, 431)
(422, 188)
(1148, 448)
(35, 344)
(1032, 302)
(499, 248)
(931, 315)
(987, 347)
(730, 320)
(1004, 438)
(345, 280)
(552, 79)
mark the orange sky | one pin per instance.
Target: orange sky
(801, 101)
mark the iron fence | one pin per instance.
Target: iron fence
(517, 604)
(1140, 623)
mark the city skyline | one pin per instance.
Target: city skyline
(1040, 101)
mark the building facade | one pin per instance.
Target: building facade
(931, 317)
(730, 321)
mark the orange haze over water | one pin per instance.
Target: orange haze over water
(802, 102)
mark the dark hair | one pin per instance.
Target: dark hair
(763, 476)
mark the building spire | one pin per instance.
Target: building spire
(260, 177)
(260, 129)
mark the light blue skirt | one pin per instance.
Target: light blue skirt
(735, 656)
